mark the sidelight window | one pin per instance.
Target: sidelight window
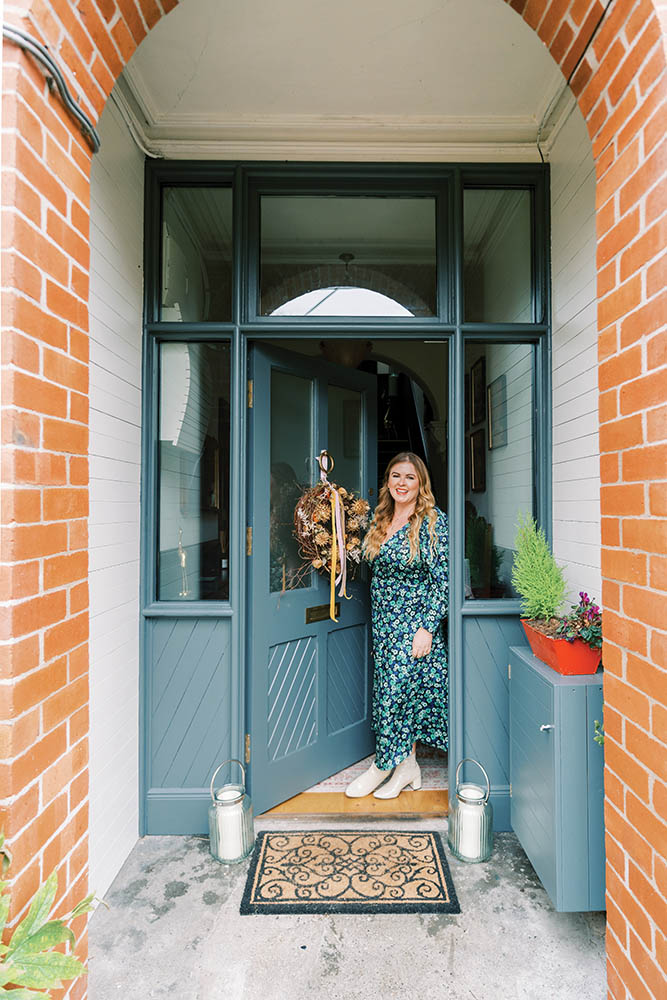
(193, 472)
(499, 460)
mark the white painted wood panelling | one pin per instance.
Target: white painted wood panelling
(576, 469)
(116, 283)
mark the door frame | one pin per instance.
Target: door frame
(325, 374)
(247, 180)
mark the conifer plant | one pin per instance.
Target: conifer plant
(536, 576)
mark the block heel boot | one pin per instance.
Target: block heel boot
(366, 782)
(407, 774)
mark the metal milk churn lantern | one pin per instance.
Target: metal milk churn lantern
(230, 823)
(471, 819)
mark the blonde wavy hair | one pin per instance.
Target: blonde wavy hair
(384, 512)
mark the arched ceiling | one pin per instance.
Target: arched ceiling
(429, 77)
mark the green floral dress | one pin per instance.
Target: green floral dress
(409, 694)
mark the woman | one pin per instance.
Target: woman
(407, 545)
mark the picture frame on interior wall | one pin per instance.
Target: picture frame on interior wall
(478, 391)
(478, 461)
(496, 401)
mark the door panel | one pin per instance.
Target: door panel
(188, 711)
(485, 734)
(347, 670)
(309, 684)
(292, 696)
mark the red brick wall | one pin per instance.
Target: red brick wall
(621, 86)
(44, 561)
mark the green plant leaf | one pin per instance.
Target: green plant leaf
(85, 906)
(4, 910)
(52, 933)
(22, 994)
(47, 970)
(38, 913)
(8, 972)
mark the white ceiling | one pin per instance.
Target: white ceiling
(216, 77)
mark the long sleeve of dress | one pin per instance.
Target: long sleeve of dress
(436, 593)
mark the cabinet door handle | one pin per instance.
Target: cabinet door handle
(545, 727)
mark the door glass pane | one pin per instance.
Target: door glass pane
(497, 250)
(499, 469)
(291, 472)
(344, 436)
(194, 472)
(363, 256)
(196, 254)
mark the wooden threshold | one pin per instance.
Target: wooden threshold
(410, 804)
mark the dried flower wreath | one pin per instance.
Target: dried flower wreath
(329, 524)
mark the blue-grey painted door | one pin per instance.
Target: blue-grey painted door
(309, 683)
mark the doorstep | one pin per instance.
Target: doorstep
(423, 804)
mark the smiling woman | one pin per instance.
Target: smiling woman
(409, 599)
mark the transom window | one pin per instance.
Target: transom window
(343, 245)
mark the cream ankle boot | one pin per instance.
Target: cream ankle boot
(406, 775)
(366, 782)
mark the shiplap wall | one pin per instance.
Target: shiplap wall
(116, 282)
(576, 473)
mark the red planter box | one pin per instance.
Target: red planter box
(565, 657)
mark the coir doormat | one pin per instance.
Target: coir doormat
(349, 871)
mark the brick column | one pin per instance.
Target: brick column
(44, 538)
(621, 88)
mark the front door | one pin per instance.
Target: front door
(309, 680)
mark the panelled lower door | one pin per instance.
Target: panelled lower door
(309, 681)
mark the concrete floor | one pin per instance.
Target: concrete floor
(173, 930)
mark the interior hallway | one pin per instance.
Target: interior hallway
(174, 930)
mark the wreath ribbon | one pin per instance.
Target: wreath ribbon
(338, 540)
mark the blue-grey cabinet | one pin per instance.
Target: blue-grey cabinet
(556, 775)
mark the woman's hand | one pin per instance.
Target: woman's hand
(421, 644)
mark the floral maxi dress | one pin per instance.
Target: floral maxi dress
(409, 694)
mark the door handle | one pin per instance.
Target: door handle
(545, 727)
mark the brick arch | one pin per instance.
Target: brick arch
(621, 89)
(286, 287)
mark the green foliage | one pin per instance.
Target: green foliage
(598, 735)
(535, 574)
(29, 961)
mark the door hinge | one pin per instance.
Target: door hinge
(251, 393)
(247, 748)
(248, 540)
(509, 670)
(510, 789)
